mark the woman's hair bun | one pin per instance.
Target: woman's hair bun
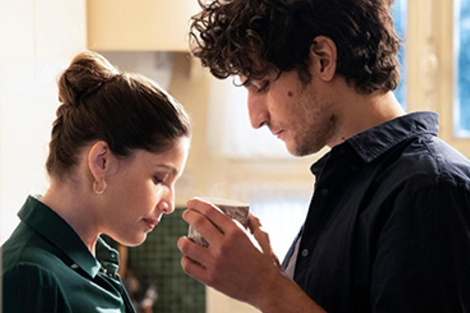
(87, 72)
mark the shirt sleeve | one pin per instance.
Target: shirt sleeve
(28, 288)
(423, 253)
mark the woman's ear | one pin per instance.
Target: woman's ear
(324, 53)
(99, 157)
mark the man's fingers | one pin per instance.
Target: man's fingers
(253, 223)
(195, 252)
(211, 212)
(194, 269)
(208, 229)
(262, 237)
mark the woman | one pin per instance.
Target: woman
(118, 145)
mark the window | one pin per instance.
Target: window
(437, 57)
(229, 131)
(399, 12)
(462, 49)
(281, 208)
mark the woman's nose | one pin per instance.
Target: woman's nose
(166, 204)
(166, 207)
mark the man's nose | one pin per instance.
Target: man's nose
(257, 109)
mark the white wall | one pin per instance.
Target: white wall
(37, 41)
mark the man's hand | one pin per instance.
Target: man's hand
(235, 266)
(232, 263)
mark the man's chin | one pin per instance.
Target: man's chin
(301, 151)
(294, 151)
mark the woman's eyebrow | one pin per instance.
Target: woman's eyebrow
(167, 167)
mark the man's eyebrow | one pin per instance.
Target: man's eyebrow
(240, 81)
(247, 83)
(253, 82)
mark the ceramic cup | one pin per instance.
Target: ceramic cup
(237, 210)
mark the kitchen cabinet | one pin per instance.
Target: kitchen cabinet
(139, 25)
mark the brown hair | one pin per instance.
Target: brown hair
(126, 110)
(253, 37)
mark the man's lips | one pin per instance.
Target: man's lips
(277, 133)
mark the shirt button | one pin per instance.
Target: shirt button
(324, 192)
(305, 253)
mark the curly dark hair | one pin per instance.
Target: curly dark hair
(254, 37)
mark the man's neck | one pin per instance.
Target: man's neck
(361, 112)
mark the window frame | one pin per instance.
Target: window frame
(431, 64)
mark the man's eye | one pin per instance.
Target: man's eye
(263, 86)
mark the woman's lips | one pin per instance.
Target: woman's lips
(150, 223)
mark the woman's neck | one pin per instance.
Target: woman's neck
(75, 209)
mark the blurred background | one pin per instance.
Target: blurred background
(228, 159)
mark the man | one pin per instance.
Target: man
(388, 228)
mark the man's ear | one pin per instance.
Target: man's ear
(324, 53)
(99, 157)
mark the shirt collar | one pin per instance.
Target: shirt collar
(372, 143)
(59, 233)
(108, 256)
(317, 167)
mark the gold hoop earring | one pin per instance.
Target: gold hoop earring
(95, 189)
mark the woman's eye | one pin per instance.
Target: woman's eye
(159, 179)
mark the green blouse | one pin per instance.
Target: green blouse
(48, 269)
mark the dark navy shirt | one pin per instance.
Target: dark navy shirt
(48, 269)
(388, 228)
